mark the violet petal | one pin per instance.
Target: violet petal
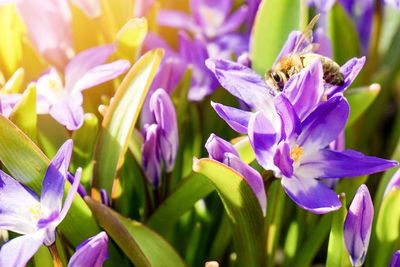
(324, 124)
(357, 225)
(327, 163)
(263, 139)
(237, 119)
(55, 177)
(311, 195)
(92, 252)
(243, 83)
(18, 251)
(217, 147)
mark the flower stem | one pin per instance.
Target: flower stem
(54, 255)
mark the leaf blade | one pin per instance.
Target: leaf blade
(121, 117)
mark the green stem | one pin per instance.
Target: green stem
(336, 251)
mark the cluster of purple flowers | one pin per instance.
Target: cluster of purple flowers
(36, 219)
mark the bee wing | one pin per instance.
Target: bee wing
(311, 48)
(306, 35)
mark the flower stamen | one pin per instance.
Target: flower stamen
(296, 153)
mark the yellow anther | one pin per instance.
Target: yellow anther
(36, 211)
(296, 153)
(53, 84)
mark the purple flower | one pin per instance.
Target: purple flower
(172, 65)
(393, 3)
(161, 136)
(151, 158)
(209, 18)
(394, 182)
(49, 26)
(222, 151)
(64, 101)
(361, 11)
(290, 132)
(142, 6)
(21, 211)
(301, 154)
(92, 252)
(395, 261)
(357, 226)
(195, 52)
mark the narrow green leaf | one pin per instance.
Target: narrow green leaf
(24, 113)
(387, 227)
(313, 243)
(274, 21)
(143, 246)
(241, 206)
(343, 35)
(186, 194)
(27, 164)
(84, 144)
(222, 239)
(121, 117)
(130, 38)
(135, 145)
(360, 99)
(336, 252)
(388, 220)
(386, 178)
(291, 242)
(10, 39)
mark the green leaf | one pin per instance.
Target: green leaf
(337, 255)
(388, 220)
(274, 22)
(120, 119)
(84, 144)
(387, 227)
(27, 164)
(242, 208)
(313, 243)
(343, 35)
(186, 194)
(130, 38)
(10, 39)
(143, 246)
(24, 113)
(360, 99)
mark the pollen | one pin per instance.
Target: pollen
(296, 153)
(53, 84)
(36, 211)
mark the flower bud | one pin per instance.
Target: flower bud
(357, 226)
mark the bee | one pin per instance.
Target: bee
(293, 63)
